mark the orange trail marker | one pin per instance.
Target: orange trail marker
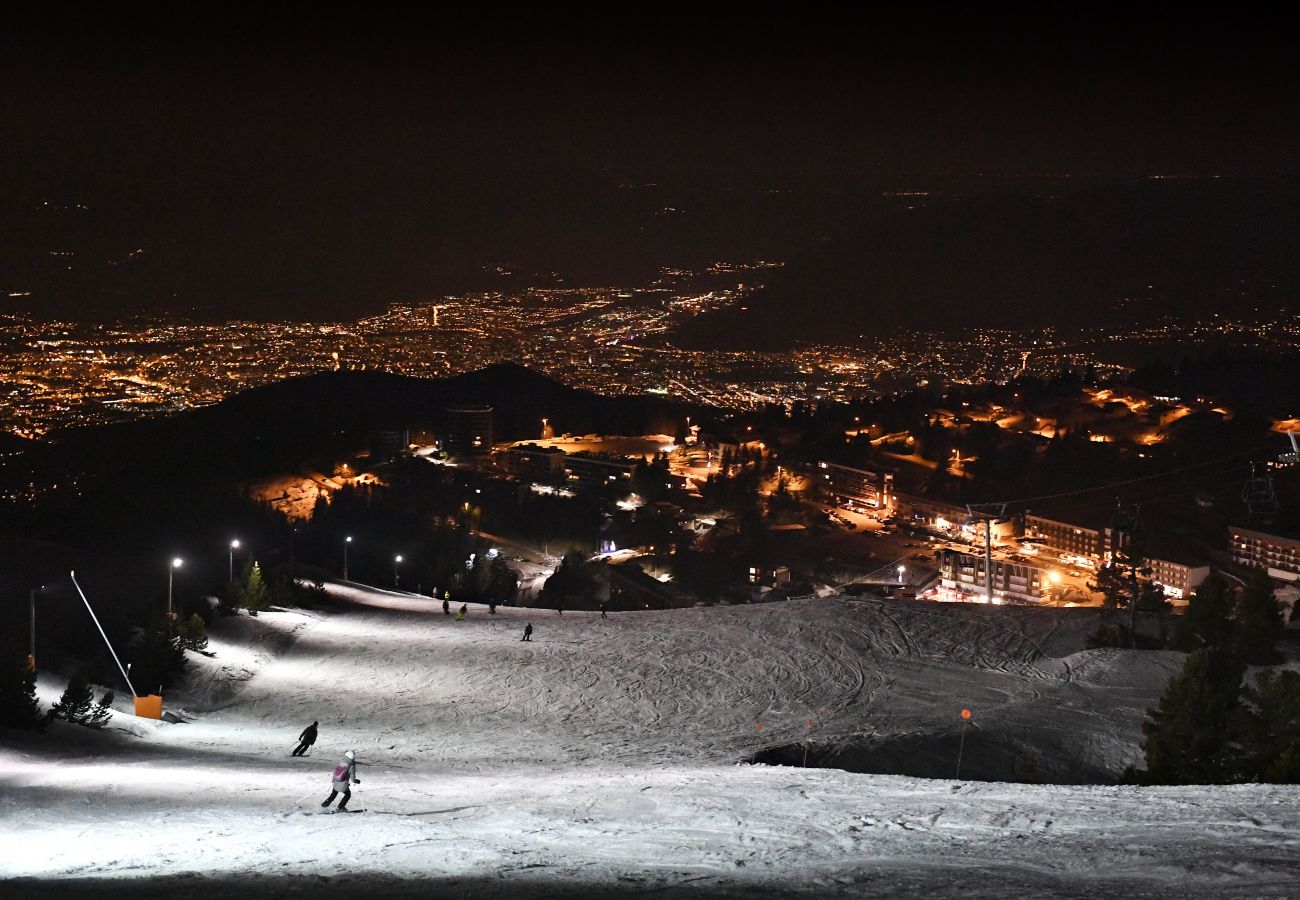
(961, 744)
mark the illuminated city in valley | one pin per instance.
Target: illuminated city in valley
(61, 374)
(649, 453)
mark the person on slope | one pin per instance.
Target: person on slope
(492, 606)
(306, 739)
(602, 610)
(446, 606)
(464, 611)
(528, 632)
(344, 776)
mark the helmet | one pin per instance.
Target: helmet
(350, 754)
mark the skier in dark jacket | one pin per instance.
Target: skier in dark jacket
(446, 606)
(306, 739)
(344, 776)
(528, 632)
(602, 611)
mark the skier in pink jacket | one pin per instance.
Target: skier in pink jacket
(345, 775)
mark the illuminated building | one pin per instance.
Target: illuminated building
(1275, 554)
(962, 577)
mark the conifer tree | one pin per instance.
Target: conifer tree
(192, 633)
(76, 702)
(254, 595)
(1271, 727)
(102, 712)
(19, 707)
(1205, 623)
(1189, 735)
(1259, 621)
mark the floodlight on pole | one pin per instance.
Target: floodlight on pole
(177, 562)
(234, 545)
(397, 579)
(347, 540)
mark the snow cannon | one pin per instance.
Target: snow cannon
(149, 706)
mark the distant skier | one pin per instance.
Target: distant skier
(602, 610)
(464, 611)
(446, 606)
(306, 739)
(345, 775)
(528, 632)
(492, 606)
(559, 605)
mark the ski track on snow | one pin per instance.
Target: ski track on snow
(605, 753)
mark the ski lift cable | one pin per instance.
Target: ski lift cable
(1146, 494)
(1139, 479)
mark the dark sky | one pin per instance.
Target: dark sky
(967, 93)
(219, 124)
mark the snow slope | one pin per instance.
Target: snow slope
(606, 755)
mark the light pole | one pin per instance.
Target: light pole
(234, 545)
(177, 562)
(397, 580)
(347, 540)
(901, 570)
(31, 657)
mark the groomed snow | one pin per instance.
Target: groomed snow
(607, 755)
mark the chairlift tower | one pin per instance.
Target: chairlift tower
(988, 513)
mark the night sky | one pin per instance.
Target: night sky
(305, 167)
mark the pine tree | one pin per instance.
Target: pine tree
(1189, 735)
(1120, 578)
(156, 659)
(1259, 621)
(76, 702)
(103, 711)
(1271, 727)
(192, 633)
(254, 595)
(18, 705)
(1205, 623)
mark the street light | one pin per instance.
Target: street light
(397, 580)
(347, 540)
(234, 545)
(171, 571)
(901, 570)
